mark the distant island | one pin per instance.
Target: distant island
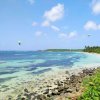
(93, 49)
(64, 50)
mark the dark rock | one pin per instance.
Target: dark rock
(88, 71)
(67, 72)
(60, 88)
(33, 94)
(41, 97)
(9, 97)
(23, 98)
(67, 78)
(72, 78)
(19, 97)
(69, 90)
(55, 92)
(66, 86)
(26, 90)
(46, 91)
(62, 82)
(59, 83)
(77, 89)
(66, 82)
(80, 80)
(49, 86)
(28, 95)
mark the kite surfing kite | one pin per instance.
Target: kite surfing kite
(19, 42)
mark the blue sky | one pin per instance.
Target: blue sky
(44, 24)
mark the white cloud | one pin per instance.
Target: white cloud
(54, 13)
(31, 1)
(99, 27)
(96, 6)
(55, 28)
(72, 34)
(34, 24)
(68, 36)
(38, 33)
(63, 35)
(90, 25)
(46, 23)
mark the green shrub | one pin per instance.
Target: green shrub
(92, 87)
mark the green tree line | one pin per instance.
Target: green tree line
(94, 49)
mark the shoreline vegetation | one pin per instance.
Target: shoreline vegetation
(89, 49)
(64, 50)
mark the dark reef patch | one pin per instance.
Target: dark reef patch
(42, 71)
(7, 72)
(6, 79)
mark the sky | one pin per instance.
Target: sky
(46, 24)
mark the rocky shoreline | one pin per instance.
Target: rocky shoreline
(69, 87)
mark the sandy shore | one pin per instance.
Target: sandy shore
(91, 53)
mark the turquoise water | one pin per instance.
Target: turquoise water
(17, 67)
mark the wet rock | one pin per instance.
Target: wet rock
(66, 82)
(26, 90)
(77, 89)
(66, 86)
(67, 72)
(9, 97)
(40, 87)
(19, 97)
(60, 88)
(28, 95)
(72, 78)
(41, 97)
(49, 95)
(46, 91)
(49, 86)
(33, 93)
(81, 75)
(67, 78)
(59, 83)
(23, 98)
(55, 92)
(69, 90)
(88, 71)
(80, 80)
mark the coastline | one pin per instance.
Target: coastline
(91, 53)
(45, 81)
(48, 81)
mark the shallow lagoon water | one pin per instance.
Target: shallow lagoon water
(17, 67)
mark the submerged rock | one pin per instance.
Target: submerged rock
(26, 90)
(23, 98)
